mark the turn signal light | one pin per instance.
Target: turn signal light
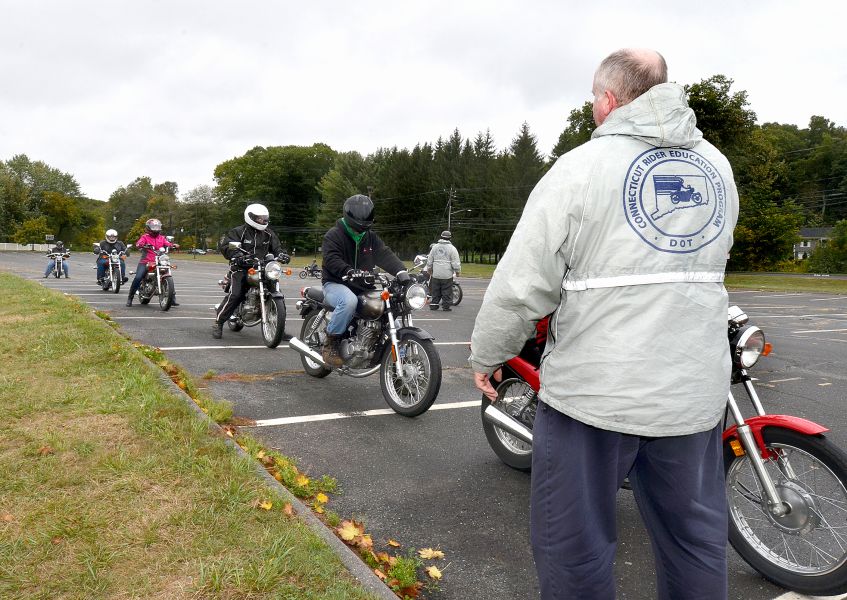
(288, 271)
(251, 271)
(385, 295)
(737, 448)
(767, 349)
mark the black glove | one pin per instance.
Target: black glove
(284, 258)
(404, 278)
(359, 277)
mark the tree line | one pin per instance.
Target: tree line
(787, 177)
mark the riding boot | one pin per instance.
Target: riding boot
(217, 330)
(129, 299)
(330, 351)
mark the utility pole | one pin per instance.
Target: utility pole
(450, 197)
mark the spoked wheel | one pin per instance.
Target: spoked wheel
(804, 550)
(457, 294)
(116, 280)
(413, 392)
(273, 330)
(310, 335)
(516, 398)
(302, 274)
(106, 283)
(166, 298)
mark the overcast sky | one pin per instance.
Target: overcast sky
(112, 90)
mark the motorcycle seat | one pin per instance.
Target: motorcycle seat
(316, 294)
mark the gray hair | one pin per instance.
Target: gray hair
(628, 73)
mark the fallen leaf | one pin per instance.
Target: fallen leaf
(393, 543)
(45, 451)
(288, 509)
(229, 433)
(365, 542)
(278, 476)
(7, 518)
(302, 480)
(380, 574)
(429, 553)
(322, 498)
(260, 454)
(382, 557)
(318, 509)
(349, 530)
(56, 541)
(433, 572)
(266, 504)
(412, 591)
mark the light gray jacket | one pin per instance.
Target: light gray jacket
(443, 260)
(625, 240)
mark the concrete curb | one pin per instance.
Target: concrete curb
(354, 564)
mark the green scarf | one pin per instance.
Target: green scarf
(357, 238)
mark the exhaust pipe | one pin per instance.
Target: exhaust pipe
(306, 351)
(497, 417)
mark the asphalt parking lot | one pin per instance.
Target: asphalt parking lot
(433, 481)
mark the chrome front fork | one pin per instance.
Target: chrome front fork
(775, 504)
(395, 347)
(262, 299)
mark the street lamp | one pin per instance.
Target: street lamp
(455, 212)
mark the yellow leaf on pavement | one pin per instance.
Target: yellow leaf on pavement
(322, 498)
(433, 572)
(393, 543)
(429, 553)
(349, 530)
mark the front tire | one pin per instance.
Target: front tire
(517, 398)
(310, 334)
(457, 294)
(302, 274)
(166, 298)
(414, 392)
(274, 329)
(116, 280)
(805, 550)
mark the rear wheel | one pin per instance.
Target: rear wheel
(516, 398)
(274, 328)
(413, 392)
(302, 274)
(457, 294)
(804, 550)
(310, 334)
(168, 294)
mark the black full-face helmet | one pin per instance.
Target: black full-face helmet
(60, 244)
(359, 212)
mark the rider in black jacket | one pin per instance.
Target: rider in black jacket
(351, 250)
(107, 245)
(256, 239)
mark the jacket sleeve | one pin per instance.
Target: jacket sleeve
(333, 256)
(223, 246)
(430, 258)
(455, 262)
(385, 257)
(527, 284)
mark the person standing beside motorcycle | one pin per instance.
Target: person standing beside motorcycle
(350, 252)
(443, 264)
(256, 239)
(152, 237)
(636, 372)
(59, 248)
(107, 245)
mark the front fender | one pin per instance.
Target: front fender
(758, 423)
(413, 332)
(276, 294)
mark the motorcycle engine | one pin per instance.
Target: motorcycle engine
(250, 309)
(358, 350)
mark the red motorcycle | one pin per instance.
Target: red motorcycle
(786, 483)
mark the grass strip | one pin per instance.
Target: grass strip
(112, 488)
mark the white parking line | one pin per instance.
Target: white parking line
(820, 331)
(351, 414)
(169, 348)
(796, 596)
(118, 317)
(825, 299)
(784, 380)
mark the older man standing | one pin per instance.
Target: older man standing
(443, 263)
(625, 242)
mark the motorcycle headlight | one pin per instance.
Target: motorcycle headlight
(416, 296)
(273, 270)
(747, 346)
(164, 261)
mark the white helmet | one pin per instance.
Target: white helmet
(257, 216)
(111, 236)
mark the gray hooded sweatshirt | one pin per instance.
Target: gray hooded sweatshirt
(443, 260)
(625, 241)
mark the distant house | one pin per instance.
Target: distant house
(811, 238)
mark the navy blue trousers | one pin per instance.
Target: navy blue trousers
(678, 484)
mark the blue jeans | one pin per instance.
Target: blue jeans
(345, 302)
(51, 264)
(102, 263)
(678, 484)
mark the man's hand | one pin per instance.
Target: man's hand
(484, 385)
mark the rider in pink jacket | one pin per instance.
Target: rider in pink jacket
(152, 237)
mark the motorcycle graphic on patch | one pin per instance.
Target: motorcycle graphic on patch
(681, 190)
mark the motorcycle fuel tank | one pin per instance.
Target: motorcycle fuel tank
(371, 305)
